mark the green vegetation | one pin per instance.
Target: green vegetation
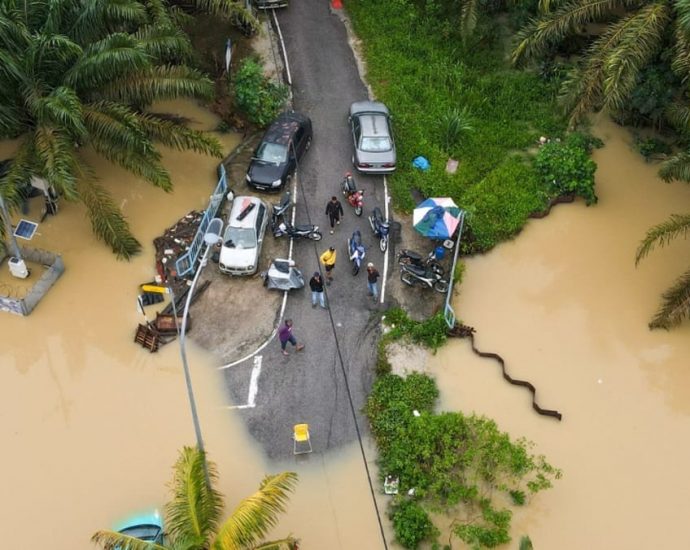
(193, 516)
(454, 463)
(259, 98)
(437, 86)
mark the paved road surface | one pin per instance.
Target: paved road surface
(310, 386)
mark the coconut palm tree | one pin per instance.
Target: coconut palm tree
(192, 517)
(635, 32)
(81, 74)
(675, 307)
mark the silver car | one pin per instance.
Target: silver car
(243, 236)
(373, 138)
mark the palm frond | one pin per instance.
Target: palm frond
(159, 83)
(682, 8)
(631, 43)
(18, 173)
(61, 108)
(678, 115)
(541, 34)
(164, 43)
(113, 126)
(288, 543)
(110, 540)
(677, 167)
(56, 160)
(14, 36)
(179, 136)
(106, 61)
(257, 514)
(681, 53)
(97, 18)
(469, 11)
(194, 512)
(675, 307)
(663, 233)
(107, 220)
(222, 8)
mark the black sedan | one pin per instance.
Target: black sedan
(276, 157)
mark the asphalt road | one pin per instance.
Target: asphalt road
(310, 386)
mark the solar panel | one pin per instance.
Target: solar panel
(25, 229)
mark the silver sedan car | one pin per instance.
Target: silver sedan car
(373, 138)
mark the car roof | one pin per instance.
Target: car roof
(360, 107)
(373, 124)
(284, 127)
(238, 206)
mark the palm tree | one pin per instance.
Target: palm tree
(192, 517)
(676, 300)
(634, 34)
(80, 74)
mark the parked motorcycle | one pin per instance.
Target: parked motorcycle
(410, 257)
(380, 228)
(356, 251)
(280, 209)
(413, 275)
(354, 196)
(297, 231)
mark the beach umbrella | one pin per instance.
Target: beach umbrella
(436, 218)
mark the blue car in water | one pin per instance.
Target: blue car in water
(146, 527)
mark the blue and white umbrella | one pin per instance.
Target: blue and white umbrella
(436, 218)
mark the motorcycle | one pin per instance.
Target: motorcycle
(354, 196)
(413, 275)
(410, 257)
(380, 228)
(298, 231)
(356, 251)
(279, 209)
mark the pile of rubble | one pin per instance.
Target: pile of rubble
(174, 242)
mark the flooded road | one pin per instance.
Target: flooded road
(567, 309)
(91, 423)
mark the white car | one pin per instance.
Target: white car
(243, 236)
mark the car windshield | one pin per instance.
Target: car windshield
(272, 152)
(237, 237)
(375, 144)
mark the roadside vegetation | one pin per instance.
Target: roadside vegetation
(461, 465)
(193, 518)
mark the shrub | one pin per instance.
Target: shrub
(649, 147)
(454, 124)
(411, 524)
(259, 98)
(565, 166)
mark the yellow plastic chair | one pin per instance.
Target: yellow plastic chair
(300, 436)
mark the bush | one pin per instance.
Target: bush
(259, 98)
(411, 524)
(431, 333)
(650, 147)
(565, 166)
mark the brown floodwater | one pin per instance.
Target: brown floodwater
(91, 423)
(565, 306)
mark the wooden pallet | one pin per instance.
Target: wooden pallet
(148, 337)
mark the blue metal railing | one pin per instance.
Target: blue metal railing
(185, 263)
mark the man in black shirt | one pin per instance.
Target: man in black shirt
(334, 210)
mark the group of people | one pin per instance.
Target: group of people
(334, 211)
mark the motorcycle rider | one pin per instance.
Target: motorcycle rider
(334, 210)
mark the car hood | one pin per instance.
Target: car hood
(238, 257)
(264, 172)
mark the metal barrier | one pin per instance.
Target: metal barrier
(185, 263)
(448, 313)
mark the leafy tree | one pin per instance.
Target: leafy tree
(610, 67)
(80, 75)
(193, 516)
(675, 306)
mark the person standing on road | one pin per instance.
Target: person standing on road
(316, 286)
(372, 281)
(328, 261)
(334, 210)
(285, 335)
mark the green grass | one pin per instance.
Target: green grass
(421, 70)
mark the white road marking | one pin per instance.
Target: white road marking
(386, 200)
(253, 385)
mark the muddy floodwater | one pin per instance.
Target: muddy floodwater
(565, 306)
(91, 423)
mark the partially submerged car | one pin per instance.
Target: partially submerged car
(146, 527)
(281, 147)
(374, 148)
(270, 4)
(243, 237)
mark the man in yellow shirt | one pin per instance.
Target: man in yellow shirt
(328, 261)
